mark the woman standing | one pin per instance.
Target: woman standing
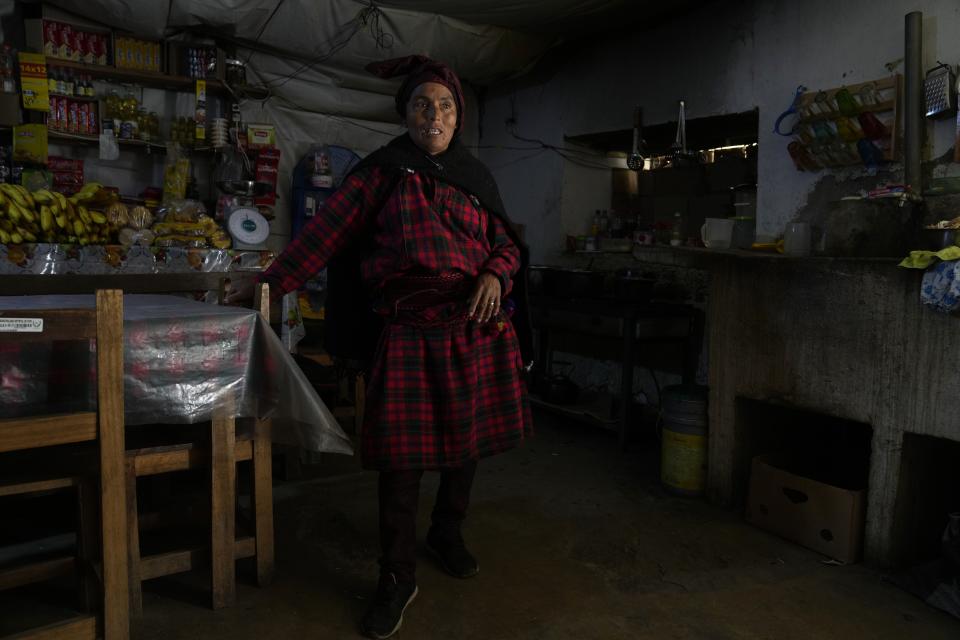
(419, 237)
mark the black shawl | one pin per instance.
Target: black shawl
(351, 328)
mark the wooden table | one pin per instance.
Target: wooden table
(188, 362)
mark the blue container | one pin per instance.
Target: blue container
(307, 198)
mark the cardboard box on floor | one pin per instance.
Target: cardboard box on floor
(814, 514)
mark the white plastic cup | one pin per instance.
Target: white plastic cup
(796, 239)
(717, 233)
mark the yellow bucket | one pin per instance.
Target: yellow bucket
(683, 455)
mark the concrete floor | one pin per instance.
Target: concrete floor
(575, 541)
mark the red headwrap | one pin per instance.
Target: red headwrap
(419, 69)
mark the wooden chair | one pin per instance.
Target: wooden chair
(225, 447)
(103, 427)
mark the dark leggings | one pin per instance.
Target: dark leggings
(399, 492)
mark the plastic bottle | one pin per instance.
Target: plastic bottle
(676, 235)
(7, 60)
(616, 224)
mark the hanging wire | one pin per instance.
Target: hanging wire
(371, 15)
(368, 18)
(516, 160)
(588, 159)
(264, 28)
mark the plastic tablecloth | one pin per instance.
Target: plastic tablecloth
(54, 259)
(183, 361)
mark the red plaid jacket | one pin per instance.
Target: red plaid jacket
(424, 225)
(437, 396)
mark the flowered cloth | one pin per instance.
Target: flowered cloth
(940, 287)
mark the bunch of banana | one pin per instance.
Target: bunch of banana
(19, 221)
(93, 195)
(48, 216)
(87, 192)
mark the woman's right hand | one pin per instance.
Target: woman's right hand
(240, 291)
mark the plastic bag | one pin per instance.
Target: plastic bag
(109, 147)
(181, 210)
(176, 173)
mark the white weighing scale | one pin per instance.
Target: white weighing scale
(248, 228)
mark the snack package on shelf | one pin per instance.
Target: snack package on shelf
(180, 210)
(266, 170)
(132, 224)
(36, 179)
(141, 218)
(118, 215)
(183, 229)
(67, 42)
(67, 174)
(140, 237)
(30, 143)
(176, 174)
(185, 223)
(261, 135)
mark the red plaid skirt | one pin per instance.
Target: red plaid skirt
(442, 389)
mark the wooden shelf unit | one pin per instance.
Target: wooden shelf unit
(61, 137)
(834, 150)
(151, 79)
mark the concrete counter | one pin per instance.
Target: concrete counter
(827, 337)
(841, 338)
(692, 258)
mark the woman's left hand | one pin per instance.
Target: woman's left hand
(485, 300)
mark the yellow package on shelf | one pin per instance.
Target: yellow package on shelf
(30, 143)
(33, 82)
(200, 117)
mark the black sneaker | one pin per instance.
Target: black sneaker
(385, 615)
(452, 554)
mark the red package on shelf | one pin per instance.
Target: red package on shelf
(83, 113)
(53, 119)
(57, 163)
(79, 45)
(67, 174)
(67, 182)
(265, 170)
(73, 116)
(51, 38)
(90, 52)
(65, 50)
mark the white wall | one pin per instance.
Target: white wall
(726, 57)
